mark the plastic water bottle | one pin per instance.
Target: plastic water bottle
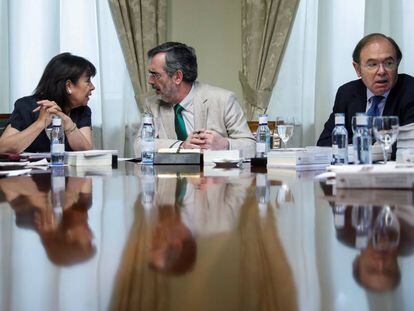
(362, 140)
(147, 140)
(148, 186)
(262, 137)
(262, 193)
(339, 141)
(57, 142)
(58, 191)
(361, 221)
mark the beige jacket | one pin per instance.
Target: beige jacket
(214, 108)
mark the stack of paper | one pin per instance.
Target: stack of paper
(90, 157)
(405, 139)
(309, 158)
(388, 176)
(376, 150)
(405, 144)
(398, 197)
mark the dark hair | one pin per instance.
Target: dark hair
(178, 57)
(368, 39)
(59, 70)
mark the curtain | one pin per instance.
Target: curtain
(265, 29)
(4, 57)
(140, 26)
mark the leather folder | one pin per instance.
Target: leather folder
(178, 158)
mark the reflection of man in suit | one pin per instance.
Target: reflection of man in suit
(173, 247)
(189, 113)
(380, 91)
(378, 270)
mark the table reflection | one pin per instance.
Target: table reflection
(56, 207)
(202, 236)
(180, 238)
(381, 233)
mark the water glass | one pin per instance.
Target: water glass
(285, 127)
(385, 131)
(386, 231)
(48, 125)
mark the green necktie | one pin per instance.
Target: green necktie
(180, 190)
(179, 123)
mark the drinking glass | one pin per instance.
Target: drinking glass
(385, 131)
(285, 127)
(48, 125)
(354, 126)
(361, 218)
(386, 230)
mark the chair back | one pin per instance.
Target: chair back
(4, 120)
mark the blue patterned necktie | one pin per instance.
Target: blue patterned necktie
(373, 111)
(180, 129)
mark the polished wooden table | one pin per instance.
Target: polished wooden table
(175, 238)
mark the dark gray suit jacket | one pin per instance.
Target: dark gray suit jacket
(352, 98)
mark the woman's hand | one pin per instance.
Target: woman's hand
(78, 139)
(47, 108)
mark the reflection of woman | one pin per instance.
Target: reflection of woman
(63, 90)
(66, 242)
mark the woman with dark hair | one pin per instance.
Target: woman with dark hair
(63, 90)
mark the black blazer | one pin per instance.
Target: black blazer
(352, 98)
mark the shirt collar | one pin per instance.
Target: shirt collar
(370, 94)
(185, 103)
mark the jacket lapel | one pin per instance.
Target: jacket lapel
(359, 101)
(167, 118)
(390, 106)
(200, 108)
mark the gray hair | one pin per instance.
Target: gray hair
(178, 57)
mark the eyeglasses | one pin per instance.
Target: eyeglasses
(374, 65)
(154, 75)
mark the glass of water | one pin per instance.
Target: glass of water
(285, 127)
(385, 130)
(386, 230)
(48, 125)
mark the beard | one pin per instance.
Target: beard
(168, 94)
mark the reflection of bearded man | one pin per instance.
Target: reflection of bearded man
(173, 248)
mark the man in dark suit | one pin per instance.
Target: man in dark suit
(380, 89)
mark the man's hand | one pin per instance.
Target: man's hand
(212, 140)
(192, 142)
(206, 139)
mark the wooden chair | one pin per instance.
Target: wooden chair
(253, 125)
(275, 141)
